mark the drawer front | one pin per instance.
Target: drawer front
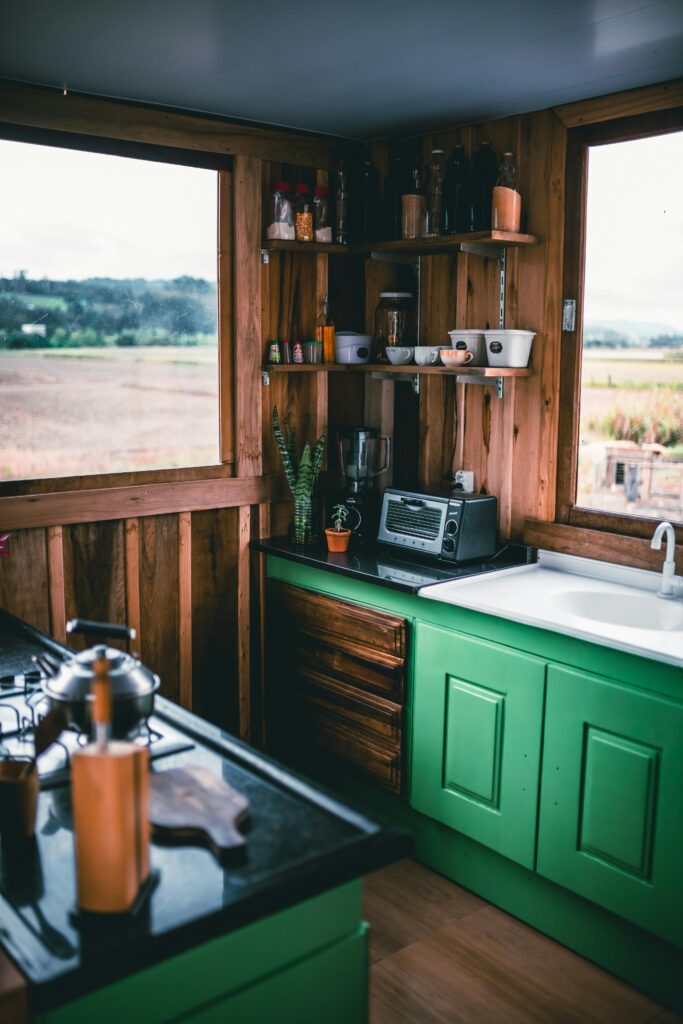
(328, 733)
(379, 718)
(371, 635)
(476, 739)
(385, 681)
(611, 821)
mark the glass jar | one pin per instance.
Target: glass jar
(506, 208)
(394, 323)
(434, 182)
(321, 222)
(280, 216)
(412, 214)
(303, 214)
(484, 175)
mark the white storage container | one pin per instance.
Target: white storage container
(351, 348)
(473, 341)
(509, 348)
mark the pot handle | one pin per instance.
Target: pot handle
(100, 629)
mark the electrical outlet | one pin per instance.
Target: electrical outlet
(464, 480)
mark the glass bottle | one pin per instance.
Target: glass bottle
(393, 190)
(321, 223)
(506, 208)
(370, 203)
(341, 221)
(484, 176)
(303, 214)
(395, 323)
(458, 192)
(434, 183)
(324, 331)
(280, 216)
(413, 205)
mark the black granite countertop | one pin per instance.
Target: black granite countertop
(389, 567)
(300, 842)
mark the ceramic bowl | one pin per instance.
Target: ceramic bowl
(400, 356)
(509, 348)
(455, 357)
(427, 355)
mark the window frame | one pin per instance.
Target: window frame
(579, 140)
(155, 153)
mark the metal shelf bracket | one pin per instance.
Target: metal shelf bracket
(413, 379)
(497, 382)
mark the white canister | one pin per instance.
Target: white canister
(472, 340)
(509, 347)
(351, 348)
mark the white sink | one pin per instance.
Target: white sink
(612, 605)
(635, 611)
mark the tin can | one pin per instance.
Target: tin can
(297, 352)
(285, 352)
(274, 352)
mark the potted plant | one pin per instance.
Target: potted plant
(302, 475)
(338, 536)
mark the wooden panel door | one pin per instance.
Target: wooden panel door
(611, 817)
(476, 739)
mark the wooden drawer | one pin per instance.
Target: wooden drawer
(361, 711)
(336, 738)
(367, 634)
(383, 680)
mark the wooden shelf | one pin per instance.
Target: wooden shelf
(284, 245)
(494, 240)
(401, 371)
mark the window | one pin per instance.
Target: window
(108, 313)
(622, 455)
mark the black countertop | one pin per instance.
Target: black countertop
(389, 567)
(300, 842)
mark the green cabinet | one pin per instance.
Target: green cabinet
(476, 739)
(611, 813)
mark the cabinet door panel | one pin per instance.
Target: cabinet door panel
(611, 824)
(477, 719)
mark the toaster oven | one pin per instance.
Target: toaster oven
(455, 529)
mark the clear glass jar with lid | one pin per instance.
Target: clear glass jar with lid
(280, 214)
(303, 214)
(394, 323)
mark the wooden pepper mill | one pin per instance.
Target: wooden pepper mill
(109, 786)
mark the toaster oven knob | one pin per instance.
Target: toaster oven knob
(452, 526)
(448, 545)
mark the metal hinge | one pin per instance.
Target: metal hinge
(265, 378)
(569, 315)
(265, 256)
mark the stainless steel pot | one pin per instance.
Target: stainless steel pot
(132, 684)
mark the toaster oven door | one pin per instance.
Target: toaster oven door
(413, 521)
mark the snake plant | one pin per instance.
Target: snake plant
(302, 476)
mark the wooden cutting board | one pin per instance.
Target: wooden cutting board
(194, 805)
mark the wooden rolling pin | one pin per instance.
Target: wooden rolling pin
(109, 783)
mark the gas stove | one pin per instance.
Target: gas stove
(23, 704)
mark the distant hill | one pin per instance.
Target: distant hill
(627, 333)
(106, 311)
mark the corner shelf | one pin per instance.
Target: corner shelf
(487, 375)
(475, 241)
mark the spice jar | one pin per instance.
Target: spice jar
(321, 223)
(506, 208)
(394, 323)
(303, 214)
(280, 215)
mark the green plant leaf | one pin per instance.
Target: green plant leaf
(287, 465)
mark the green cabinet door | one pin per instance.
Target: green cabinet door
(611, 818)
(476, 739)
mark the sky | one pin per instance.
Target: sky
(634, 239)
(68, 214)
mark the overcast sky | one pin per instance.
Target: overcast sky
(634, 244)
(67, 214)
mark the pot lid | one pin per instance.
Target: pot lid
(128, 676)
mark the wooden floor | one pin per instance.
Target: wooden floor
(441, 955)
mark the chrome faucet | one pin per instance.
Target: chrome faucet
(669, 567)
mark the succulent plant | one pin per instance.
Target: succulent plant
(302, 475)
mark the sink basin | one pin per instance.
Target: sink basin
(633, 612)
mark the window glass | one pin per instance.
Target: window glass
(108, 313)
(631, 423)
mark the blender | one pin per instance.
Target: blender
(363, 455)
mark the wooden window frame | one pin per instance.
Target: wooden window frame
(579, 139)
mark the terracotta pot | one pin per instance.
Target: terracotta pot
(337, 540)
